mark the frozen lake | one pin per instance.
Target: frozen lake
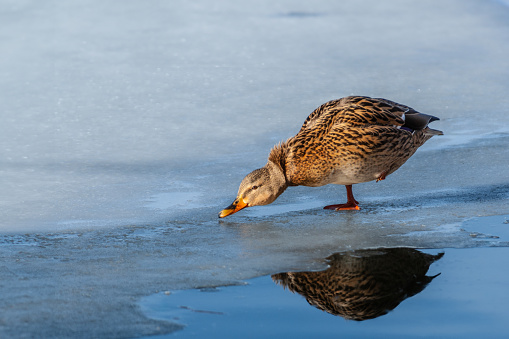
(127, 126)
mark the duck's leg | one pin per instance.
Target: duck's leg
(351, 204)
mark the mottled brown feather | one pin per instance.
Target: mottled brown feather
(348, 141)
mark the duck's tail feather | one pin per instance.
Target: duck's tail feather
(432, 132)
(418, 121)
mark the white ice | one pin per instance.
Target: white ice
(104, 103)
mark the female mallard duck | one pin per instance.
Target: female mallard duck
(347, 141)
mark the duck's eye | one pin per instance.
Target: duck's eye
(254, 187)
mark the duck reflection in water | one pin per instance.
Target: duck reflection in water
(363, 284)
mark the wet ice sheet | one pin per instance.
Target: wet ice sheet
(96, 276)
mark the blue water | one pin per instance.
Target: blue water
(467, 299)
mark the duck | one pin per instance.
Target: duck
(346, 141)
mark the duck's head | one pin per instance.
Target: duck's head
(260, 187)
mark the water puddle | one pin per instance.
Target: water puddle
(494, 229)
(386, 292)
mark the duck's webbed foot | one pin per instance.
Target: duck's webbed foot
(343, 207)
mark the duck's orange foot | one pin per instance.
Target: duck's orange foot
(343, 207)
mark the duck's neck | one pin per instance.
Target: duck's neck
(277, 166)
(277, 156)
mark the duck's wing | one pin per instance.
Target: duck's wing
(353, 111)
(365, 111)
(414, 120)
(318, 114)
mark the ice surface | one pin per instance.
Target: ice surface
(104, 103)
(126, 127)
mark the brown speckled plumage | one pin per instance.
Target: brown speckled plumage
(351, 140)
(347, 141)
(363, 284)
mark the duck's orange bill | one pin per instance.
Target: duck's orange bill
(233, 208)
